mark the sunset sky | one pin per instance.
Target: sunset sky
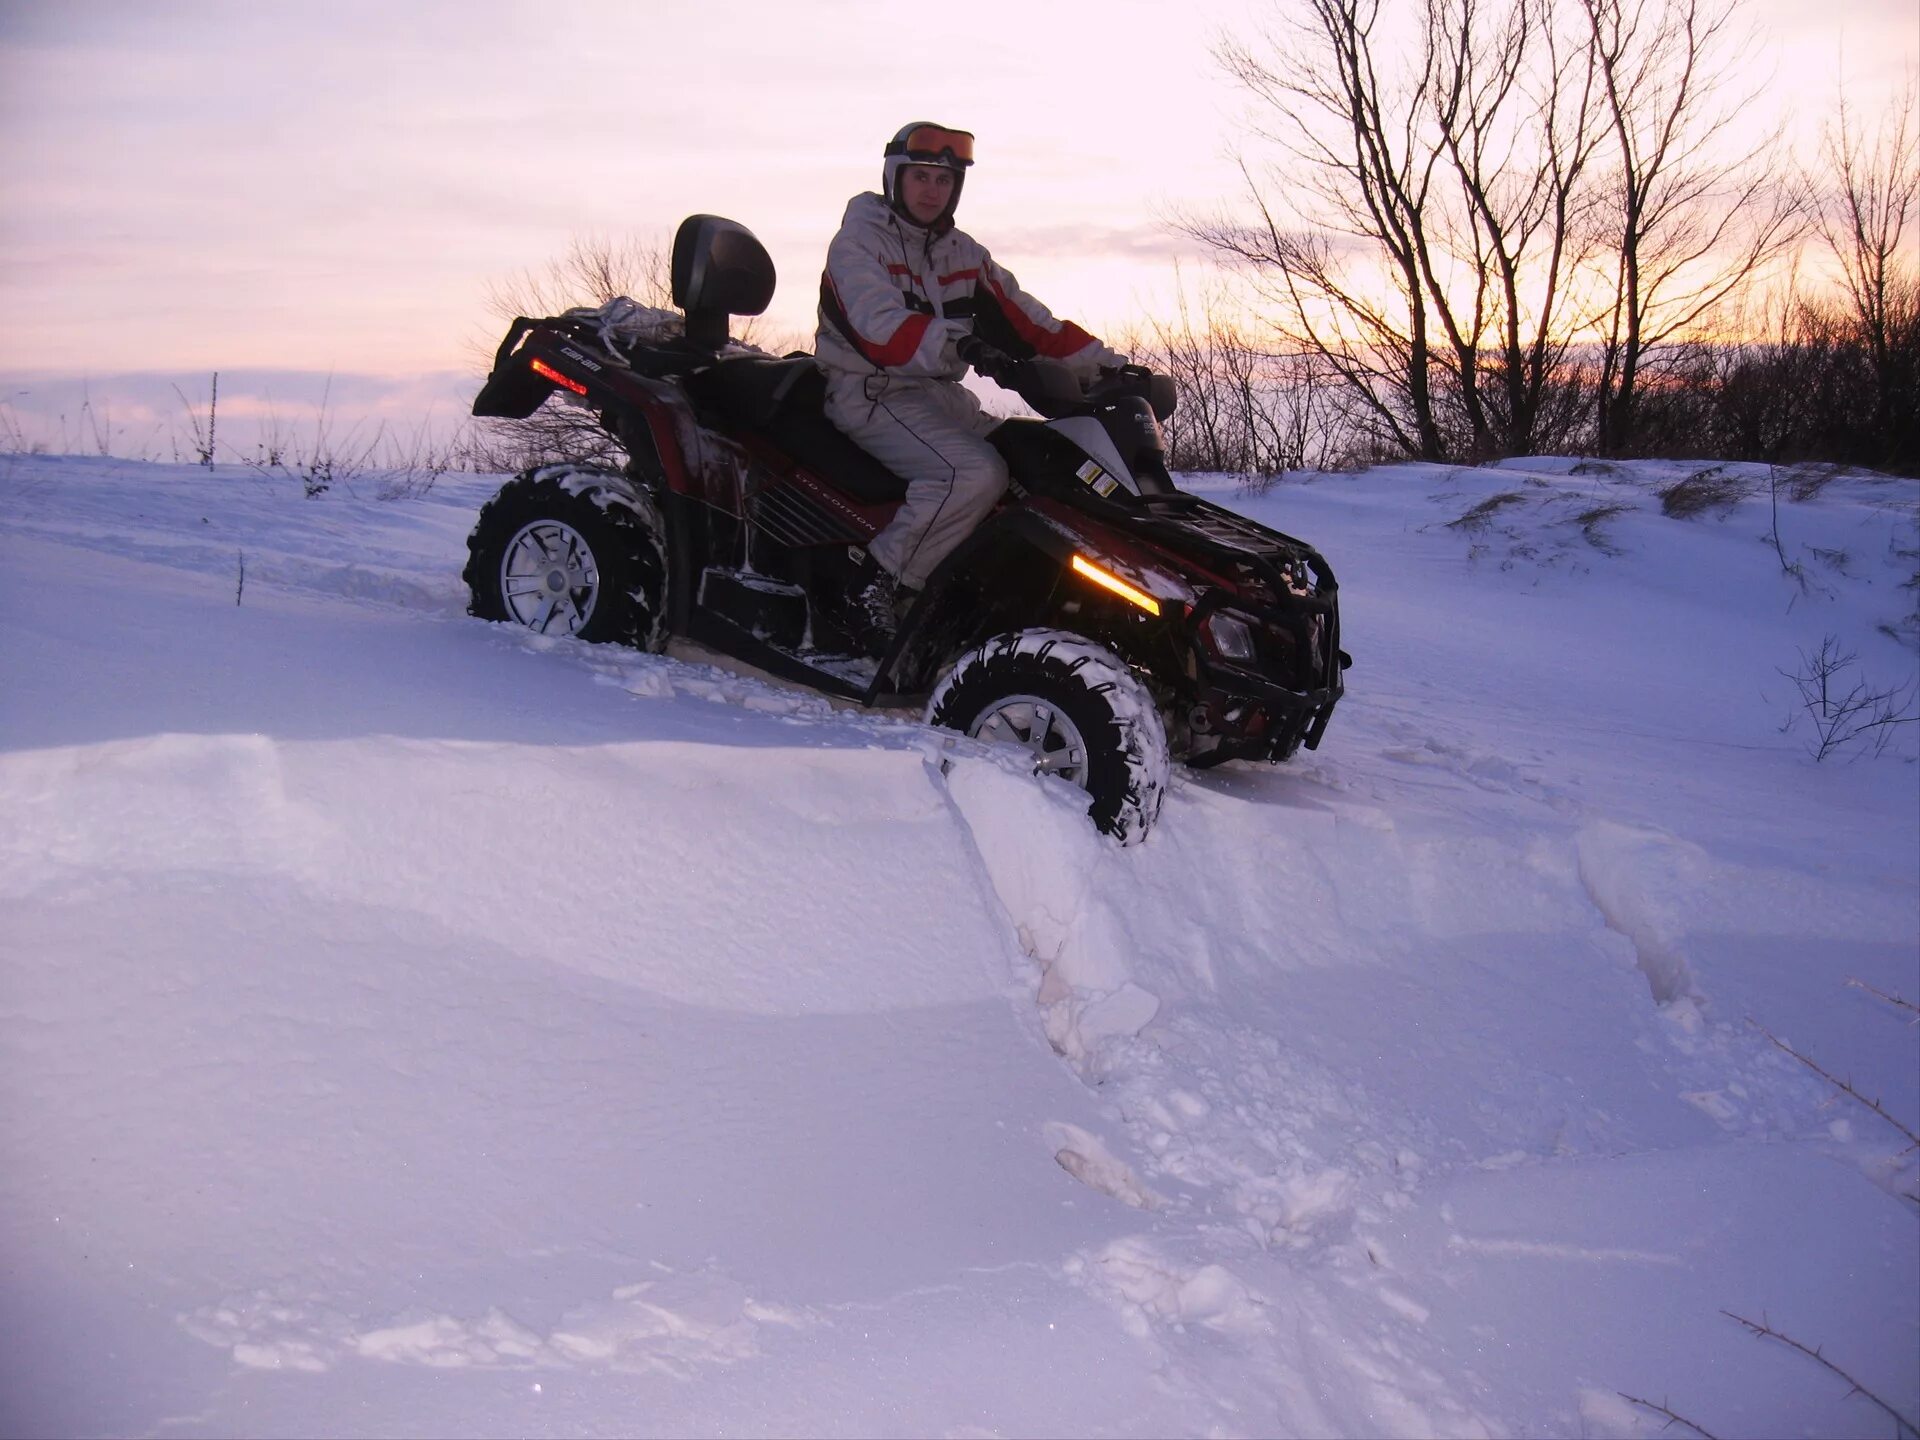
(308, 190)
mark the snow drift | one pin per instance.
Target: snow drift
(411, 1026)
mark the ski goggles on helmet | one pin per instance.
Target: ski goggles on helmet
(933, 145)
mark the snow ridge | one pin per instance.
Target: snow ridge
(415, 1020)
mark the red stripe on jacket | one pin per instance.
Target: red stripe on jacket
(895, 351)
(1069, 339)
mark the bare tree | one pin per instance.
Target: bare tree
(1455, 165)
(1244, 409)
(1502, 219)
(1200, 432)
(1868, 201)
(203, 435)
(594, 270)
(1846, 713)
(1688, 223)
(1370, 176)
(1519, 129)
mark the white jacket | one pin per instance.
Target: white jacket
(896, 296)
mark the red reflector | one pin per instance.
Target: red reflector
(546, 371)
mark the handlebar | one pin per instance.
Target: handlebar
(1054, 391)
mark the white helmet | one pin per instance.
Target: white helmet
(925, 143)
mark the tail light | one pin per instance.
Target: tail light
(547, 372)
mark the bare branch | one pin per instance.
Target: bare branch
(1844, 712)
(1672, 1419)
(594, 269)
(1769, 1333)
(1890, 999)
(1841, 1085)
(1870, 201)
(1690, 228)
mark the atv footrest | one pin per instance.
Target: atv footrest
(770, 610)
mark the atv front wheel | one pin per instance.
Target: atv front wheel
(571, 550)
(1076, 709)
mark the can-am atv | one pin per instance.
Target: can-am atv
(1100, 618)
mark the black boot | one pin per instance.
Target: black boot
(869, 607)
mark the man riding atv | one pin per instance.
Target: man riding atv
(1073, 602)
(907, 302)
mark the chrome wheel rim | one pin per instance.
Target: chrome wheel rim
(549, 580)
(1041, 729)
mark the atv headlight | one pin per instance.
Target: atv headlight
(1232, 637)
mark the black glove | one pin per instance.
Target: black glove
(993, 363)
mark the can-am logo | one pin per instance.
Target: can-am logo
(575, 355)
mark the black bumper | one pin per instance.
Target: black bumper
(1238, 715)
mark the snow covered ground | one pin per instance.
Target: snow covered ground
(409, 1026)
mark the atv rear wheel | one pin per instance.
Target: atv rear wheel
(1076, 708)
(571, 550)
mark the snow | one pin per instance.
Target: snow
(413, 1026)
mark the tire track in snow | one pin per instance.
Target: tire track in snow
(1224, 1145)
(1615, 863)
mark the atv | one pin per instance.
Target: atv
(1100, 618)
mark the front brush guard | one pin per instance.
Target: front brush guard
(1252, 715)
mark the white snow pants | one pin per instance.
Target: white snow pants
(932, 434)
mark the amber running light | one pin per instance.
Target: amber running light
(1107, 581)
